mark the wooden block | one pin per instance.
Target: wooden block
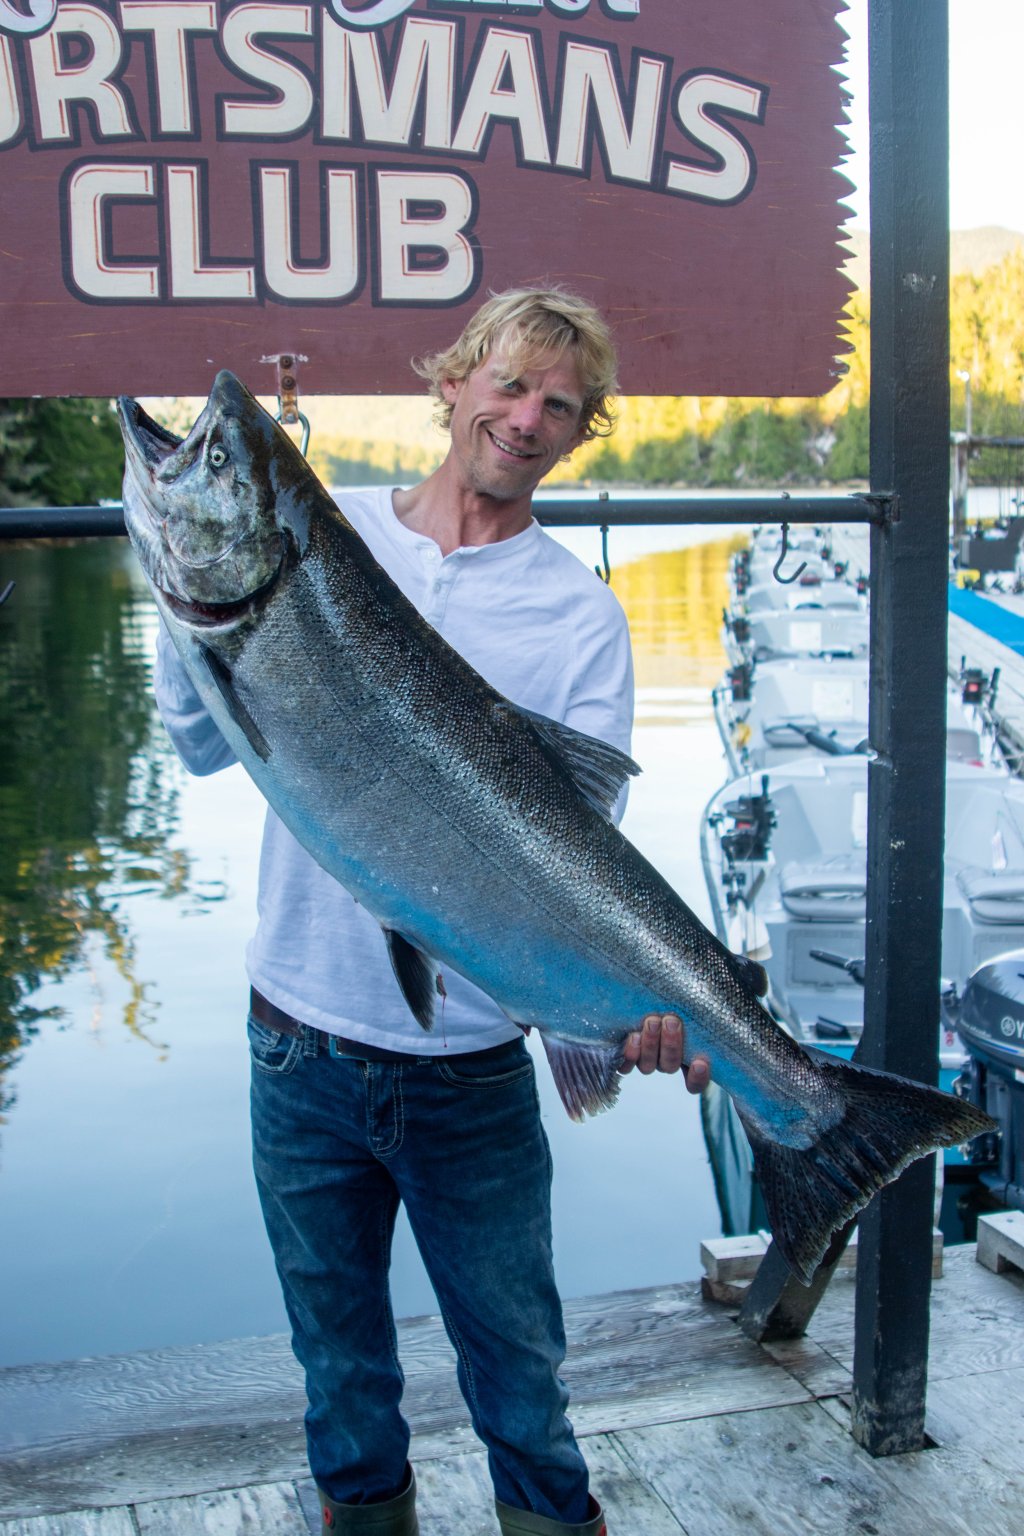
(1001, 1241)
(727, 1293)
(733, 1258)
(730, 1263)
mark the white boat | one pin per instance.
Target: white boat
(791, 707)
(785, 863)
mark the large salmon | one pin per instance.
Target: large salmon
(477, 834)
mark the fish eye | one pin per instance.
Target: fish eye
(218, 456)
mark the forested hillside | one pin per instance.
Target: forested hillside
(746, 442)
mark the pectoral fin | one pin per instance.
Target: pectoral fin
(415, 974)
(586, 1076)
(221, 674)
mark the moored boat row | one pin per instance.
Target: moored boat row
(784, 841)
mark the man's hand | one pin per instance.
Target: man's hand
(659, 1046)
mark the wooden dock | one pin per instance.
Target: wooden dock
(689, 1428)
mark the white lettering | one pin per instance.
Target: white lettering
(377, 13)
(590, 75)
(10, 111)
(35, 18)
(407, 233)
(733, 173)
(505, 54)
(374, 15)
(57, 85)
(170, 26)
(338, 277)
(89, 189)
(425, 67)
(190, 278)
(290, 113)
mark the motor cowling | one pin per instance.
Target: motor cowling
(990, 1020)
(991, 1014)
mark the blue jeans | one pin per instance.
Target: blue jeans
(337, 1143)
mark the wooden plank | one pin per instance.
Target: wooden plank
(96, 1432)
(790, 1472)
(236, 1512)
(454, 1497)
(629, 1502)
(984, 1416)
(813, 1367)
(975, 1320)
(1001, 1241)
(82, 1522)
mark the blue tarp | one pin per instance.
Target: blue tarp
(990, 617)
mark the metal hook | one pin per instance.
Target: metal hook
(785, 581)
(606, 574)
(303, 422)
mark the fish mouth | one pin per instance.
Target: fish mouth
(221, 615)
(148, 445)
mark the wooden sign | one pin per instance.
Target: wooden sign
(187, 185)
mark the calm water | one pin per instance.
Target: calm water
(126, 896)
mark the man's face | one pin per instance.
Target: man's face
(511, 426)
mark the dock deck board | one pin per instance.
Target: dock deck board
(689, 1428)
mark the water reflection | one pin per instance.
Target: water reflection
(674, 603)
(86, 801)
(122, 999)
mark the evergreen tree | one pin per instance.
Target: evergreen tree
(59, 452)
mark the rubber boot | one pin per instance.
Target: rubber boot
(520, 1522)
(396, 1517)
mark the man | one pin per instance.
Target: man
(354, 1110)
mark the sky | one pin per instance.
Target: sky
(986, 60)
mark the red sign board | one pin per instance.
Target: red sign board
(187, 185)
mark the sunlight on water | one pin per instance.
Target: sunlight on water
(126, 898)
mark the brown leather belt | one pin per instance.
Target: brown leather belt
(272, 1017)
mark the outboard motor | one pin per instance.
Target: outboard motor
(990, 1022)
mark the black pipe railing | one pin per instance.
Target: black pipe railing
(611, 509)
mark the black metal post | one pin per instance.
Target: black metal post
(909, 106)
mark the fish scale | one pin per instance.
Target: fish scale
(479, 836)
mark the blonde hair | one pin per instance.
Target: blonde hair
(534, 323)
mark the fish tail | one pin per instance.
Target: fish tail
(886, 1123)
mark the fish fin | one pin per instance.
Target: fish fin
(598, 769)
(415, 974)
(221, 674)
(886, 1122)
(751, 975)
(586, 1076)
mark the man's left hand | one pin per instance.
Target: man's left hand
(659, 1046)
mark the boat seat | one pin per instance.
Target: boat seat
(828, 892)
(994, 897)
(788, 733)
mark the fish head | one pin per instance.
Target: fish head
(209, 515)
